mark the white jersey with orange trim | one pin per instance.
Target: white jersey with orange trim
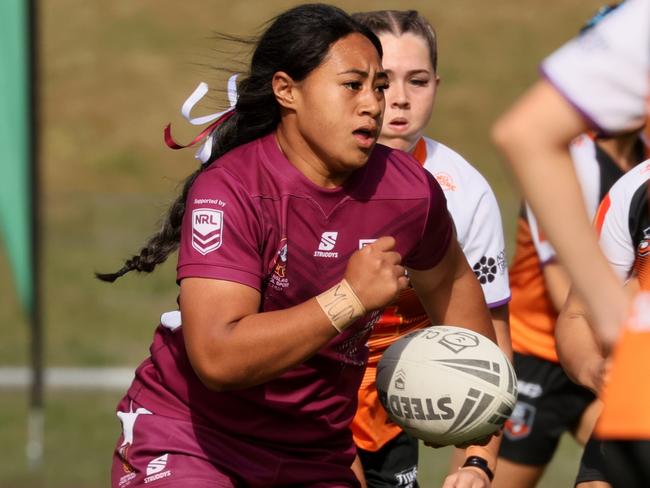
(476, 215)
(605, 72)
(623, 223)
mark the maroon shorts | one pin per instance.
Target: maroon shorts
(158, 451)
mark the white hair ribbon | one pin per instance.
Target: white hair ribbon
(204, 152)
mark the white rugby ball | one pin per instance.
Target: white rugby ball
(446, 385)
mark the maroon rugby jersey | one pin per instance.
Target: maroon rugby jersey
(253, 218)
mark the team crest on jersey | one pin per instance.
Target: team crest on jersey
(445, 181)
(279, 280)
(207, 229)
(520, 423)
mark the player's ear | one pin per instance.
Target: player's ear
(284, 88)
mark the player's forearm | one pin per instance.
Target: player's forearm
(466, 306)
(231, 345)
(557, 284)
(501, 324)
(262, 346)
(578, 351)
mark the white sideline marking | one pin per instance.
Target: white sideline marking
(109, 379)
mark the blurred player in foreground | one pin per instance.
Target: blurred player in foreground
(389, 456)
(600, 80)
(258, 385)
(549, 403)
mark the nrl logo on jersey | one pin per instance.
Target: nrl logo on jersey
(207, 230)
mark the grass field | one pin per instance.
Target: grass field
(112, 75)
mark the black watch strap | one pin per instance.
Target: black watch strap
(480, 463)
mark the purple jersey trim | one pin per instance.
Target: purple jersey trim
(547, 261)
(500, 302)
(587, 117)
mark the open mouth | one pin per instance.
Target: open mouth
(365, 136)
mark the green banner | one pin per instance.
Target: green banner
(15, 150)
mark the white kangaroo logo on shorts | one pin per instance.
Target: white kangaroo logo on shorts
(128, 422)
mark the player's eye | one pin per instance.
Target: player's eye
(419, 82)
(382, 87)
(353, 85)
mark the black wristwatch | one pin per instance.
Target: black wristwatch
(480, 463)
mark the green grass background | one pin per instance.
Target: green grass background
(112, 74)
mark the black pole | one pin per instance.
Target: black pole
(36, 403)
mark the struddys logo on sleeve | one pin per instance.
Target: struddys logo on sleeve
(207, 229)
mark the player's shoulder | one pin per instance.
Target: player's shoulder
(630, 182)
(398, 172)
(452, 171)
(236, 171)
(242, 160)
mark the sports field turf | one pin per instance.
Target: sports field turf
(112, 75)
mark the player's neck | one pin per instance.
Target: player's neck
(622, 150)
(305, 160)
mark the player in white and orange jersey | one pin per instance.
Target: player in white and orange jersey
(600, 80)
(549, 403)
(389, 456)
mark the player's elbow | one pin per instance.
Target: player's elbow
(507, 134)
